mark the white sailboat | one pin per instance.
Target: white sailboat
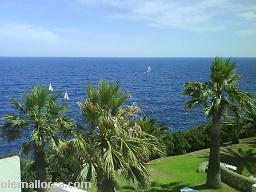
(66, 96)
(149, 69)
(50, 87)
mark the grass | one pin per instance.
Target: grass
(175, 172)
(172, 173)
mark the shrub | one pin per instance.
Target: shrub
(198, 138)
(181, 144)
(168, 141)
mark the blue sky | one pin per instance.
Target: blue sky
(160, 28)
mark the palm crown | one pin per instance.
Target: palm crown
(220, 94)
(38, 112)
(43, 116)
(113, 143)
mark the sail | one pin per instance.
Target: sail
(50, 87)
(149, 69)
(66, 96)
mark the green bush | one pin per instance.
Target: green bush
(170, 146)
(180, 142)
(198, 138)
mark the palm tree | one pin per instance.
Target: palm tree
(158, 130)
(152, 127)
(241, 158)
(112, 144)
(218, 96)
(42, 115)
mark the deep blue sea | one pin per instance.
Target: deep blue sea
(158, 93)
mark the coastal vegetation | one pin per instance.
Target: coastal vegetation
(175, 172)
(111, 142)
(117, 148)
(43, 117)
(219, 97)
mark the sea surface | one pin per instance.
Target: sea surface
(159, 93)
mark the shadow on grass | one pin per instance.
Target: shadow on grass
(241, 158)
(157, 187)
(251, 142)
(170, 187)
(205, 155)
(128, 188)
(173, 187)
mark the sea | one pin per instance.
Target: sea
(159, 93)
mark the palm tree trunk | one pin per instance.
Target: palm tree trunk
(100, 182)
(235, 133)
(40, 166)
(213, 175)
(100, 187)
(104, 183)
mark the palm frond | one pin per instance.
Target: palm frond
(27, 148)
(197, 93)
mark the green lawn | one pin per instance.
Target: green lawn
(173, 173)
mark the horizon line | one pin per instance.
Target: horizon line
(126, 56)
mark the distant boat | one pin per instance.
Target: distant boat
(66, 96)
(50, 87)
(149, 69)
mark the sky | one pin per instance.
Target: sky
(128, 28)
